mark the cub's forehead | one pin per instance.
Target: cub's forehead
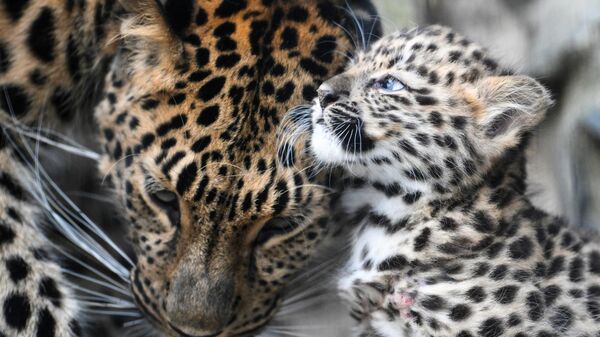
(433, 46)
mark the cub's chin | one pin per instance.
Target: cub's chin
(323, 145)
(326, 148)
(343, 145)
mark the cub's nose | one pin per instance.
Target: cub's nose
(334, 89)
(327, 96)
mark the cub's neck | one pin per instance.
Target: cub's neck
(502, 188)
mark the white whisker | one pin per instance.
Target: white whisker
(120, 289)
(112, 312)
(134, 322)
(74, 148)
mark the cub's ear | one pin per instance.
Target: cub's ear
(511, 106)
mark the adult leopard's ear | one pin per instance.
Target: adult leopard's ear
(153, 34)
(511, 106)
(173, 17)
(359, 18)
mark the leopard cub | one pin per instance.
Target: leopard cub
(431, 133)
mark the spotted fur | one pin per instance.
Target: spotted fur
(431, 132)
(52, 56)
(35, 300)
(192, 96)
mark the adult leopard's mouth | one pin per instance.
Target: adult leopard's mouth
(183, 334)
(252, 331)
(263, 320)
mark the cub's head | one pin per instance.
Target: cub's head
(189, 120)
(426, 108)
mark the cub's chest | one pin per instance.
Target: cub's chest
(386, 205)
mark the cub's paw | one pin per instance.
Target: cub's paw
(366, 294)
(366, 298)
(402, 302)
(403, 296)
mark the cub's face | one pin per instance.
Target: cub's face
(425, 108)
(219, 225)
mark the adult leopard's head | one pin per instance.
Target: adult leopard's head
(189, 120)
(423, 111)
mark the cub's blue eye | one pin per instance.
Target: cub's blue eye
(389, 83)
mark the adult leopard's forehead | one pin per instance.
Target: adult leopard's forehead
(229, 92)
(424, 49)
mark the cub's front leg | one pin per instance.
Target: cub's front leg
(385, 274)
(479, 306)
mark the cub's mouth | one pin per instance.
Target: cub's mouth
(338, 134)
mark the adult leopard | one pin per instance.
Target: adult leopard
(194, 91)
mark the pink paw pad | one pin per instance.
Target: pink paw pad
(402, 302)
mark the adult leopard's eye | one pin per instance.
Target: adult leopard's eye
(389, 83)
(169, 202)
(274, 227)
(165, 196)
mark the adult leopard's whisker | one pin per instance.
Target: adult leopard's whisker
(119, 289)
(72, 148)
